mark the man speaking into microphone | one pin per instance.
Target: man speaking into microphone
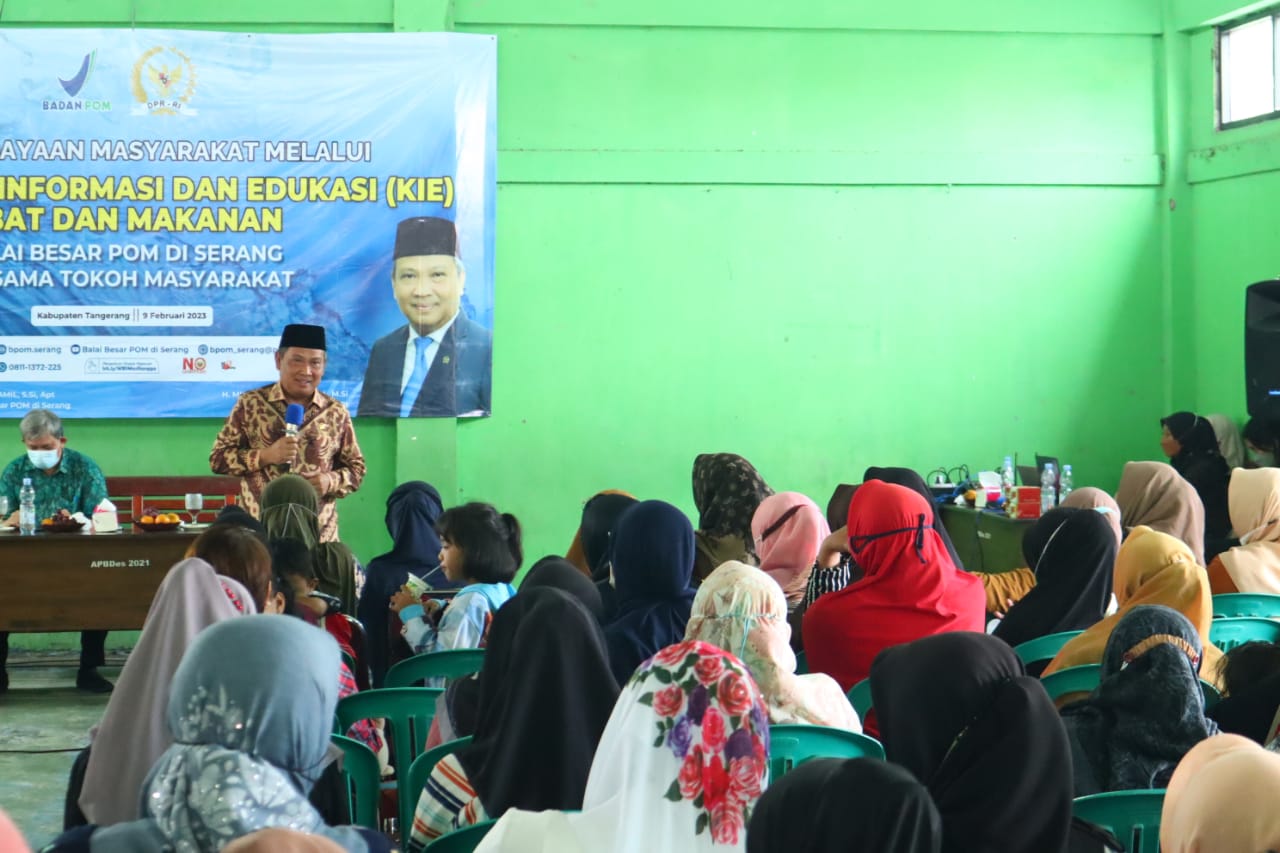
(289, 426)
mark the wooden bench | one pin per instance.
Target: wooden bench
(168, 494)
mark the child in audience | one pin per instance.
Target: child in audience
(479, 550)
(237, 553)
(1250, 676)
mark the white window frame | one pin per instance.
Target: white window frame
(1222, 53)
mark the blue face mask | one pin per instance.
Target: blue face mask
(43, 459)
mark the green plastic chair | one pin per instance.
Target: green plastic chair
(462, 840)
(1132, 816)
(418, 773)
(1043, 648)
(454, 663)
(408, 712)
(860, 697)
(1230, 632)
(362, 779)
(1083, 679)
(792, 745)
(1234, 604)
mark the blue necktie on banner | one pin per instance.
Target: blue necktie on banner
(419, 376)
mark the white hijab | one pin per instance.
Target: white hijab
(641, 791)
(133, 733)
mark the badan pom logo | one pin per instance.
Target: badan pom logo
(73, 86)
(164, 80)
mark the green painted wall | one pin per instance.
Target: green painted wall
(819, 235)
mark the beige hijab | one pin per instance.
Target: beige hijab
(1151, 568)
(1254, 503)
(1152, 494)
(1221, 799)
(742, 610)
(1098, 501)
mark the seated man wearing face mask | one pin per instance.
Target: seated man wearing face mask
(63, 479)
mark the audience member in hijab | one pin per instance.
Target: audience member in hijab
(412, 511)
(741, 610)
(788, 529)
(1260, 442)
(132, 734)
(959, 714)
(825, 579)
(250, 712)
(1254, 564)
(727, 490)
(1188, 440)
(589, 550)
(909, 586)
(1152, 494)
(1151, 568)
(691, 789)
(1230, 444)
(288, 508)
(545, 696)
(914, 482)
(458, 708)
(1100, 502)
(1250, 705)
(829, 805)
(1222, 798)
(652, 568)
(1148, 709)
(1073, 555)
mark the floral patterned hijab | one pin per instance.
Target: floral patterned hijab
(250, 711)
(681, 765)
(742, 610)
(727, 489)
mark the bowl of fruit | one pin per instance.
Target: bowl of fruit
(61, 522)
(153, 520)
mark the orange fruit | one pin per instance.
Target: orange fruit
(48, 522)
(147, 519)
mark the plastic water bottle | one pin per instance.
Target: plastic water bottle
(1048, 484)
(1064, 484)
(27, 508)
(1007, 484)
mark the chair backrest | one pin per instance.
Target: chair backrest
(790, 745)
(360, 776)
(860, 697)
(462, 840)
(1043, 648)
(167, 494)
(408, 712)
(1132, 816)
(1073, 679)
(453, 663)
(1230, 632)
(421, 769)
(1246, 604)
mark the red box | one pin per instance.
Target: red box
(1028, 504)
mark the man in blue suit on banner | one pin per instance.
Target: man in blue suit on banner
(439, 364)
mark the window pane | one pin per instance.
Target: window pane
(1248, 70)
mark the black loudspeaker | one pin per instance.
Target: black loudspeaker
(1262, 348)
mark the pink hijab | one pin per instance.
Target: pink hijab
(133, 732)
(788, 529)
(10, 838)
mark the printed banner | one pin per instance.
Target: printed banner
(170, 200)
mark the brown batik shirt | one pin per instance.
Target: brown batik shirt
(328, 452)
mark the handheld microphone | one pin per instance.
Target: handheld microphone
(292, 421)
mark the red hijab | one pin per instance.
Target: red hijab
(909, 589)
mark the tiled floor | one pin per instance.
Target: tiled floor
(43, 712)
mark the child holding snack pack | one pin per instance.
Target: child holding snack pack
(480, 551)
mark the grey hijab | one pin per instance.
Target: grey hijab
(1147, 711)
(250, 711)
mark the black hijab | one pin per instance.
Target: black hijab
(412, 511)
(545, 696)
(957, 711)
(831, 806)
(599, 519)
(1073, 553)
(1249, 712)
(914, 482)
(838, 505)
(1200, 463)
(727, 490)
(1148, 709)
(652, 570)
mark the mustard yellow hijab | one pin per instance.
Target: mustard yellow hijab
(1151, 568)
